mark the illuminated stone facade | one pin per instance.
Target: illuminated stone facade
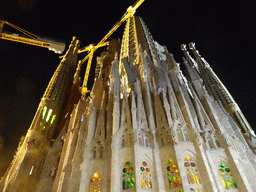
(144, 127)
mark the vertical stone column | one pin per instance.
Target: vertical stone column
(159, 172)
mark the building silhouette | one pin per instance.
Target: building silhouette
(145, 126)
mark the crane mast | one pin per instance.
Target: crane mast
(129, 13)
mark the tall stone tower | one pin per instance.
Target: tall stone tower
(144, 127)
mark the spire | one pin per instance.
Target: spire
(216, 88)
(61, 77)
(100, 129)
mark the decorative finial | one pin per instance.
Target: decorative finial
(192, 46)
(184, 49)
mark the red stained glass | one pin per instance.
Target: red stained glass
(144, 164)
(186, 164)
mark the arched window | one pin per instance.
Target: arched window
(179, 134)
(129, 140)
(146, 140)
(226, 177)
(173, 175)
(101, 152)
(210, 143)
(168, 138)
(191, 171)
(186, 137)
(94, 153)
(128, 181)
(95, 183)
(146, 179)
(123, 141)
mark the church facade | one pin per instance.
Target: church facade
(146, 126)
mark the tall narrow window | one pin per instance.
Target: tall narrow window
(146, 180)
(95, 183)
(44, 112)
(48, 115)
(101, 152)
(146, 140)
(123, 143)
(94, 153)
(226, 177)
(129, 140)
(128, 181)
(173, 175)
(162, 141)
(52, 120)
(140, 141)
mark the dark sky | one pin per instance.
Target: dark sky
(224, 35)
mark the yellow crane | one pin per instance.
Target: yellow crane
(91, 48)
(30, 38)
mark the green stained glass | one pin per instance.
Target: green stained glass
(234, 183)
(174, 178)
(125, 170)
(129, 183)
(52, 120)
(168, 168)
(181, 190)
(123, 175)
(48, 115)
(176, 191)
(132, 183)
(170, 161)
(170, 180)
(229, 184)
(227, 170)
(142, 169)
(132, 174)
(128, 174)
(221, 171)
(44, 112)
(127, 164)
(222, 165)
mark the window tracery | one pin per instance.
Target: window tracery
(173, 175)
(146, 179)
(95, 183)
(128, 181)
(191, 171)
(226, 177)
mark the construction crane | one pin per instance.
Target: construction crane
(91, 48)
(30, 38)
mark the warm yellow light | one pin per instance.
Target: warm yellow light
(96, 175)
(48, 115)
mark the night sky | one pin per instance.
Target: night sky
(224, 35)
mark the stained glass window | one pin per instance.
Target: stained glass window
(173, 175)
(146, 180)
(191, 172)
(95, 183)
(52, 120)
(128, 181)
(226, 177)
(44, 112)
(48, 115)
